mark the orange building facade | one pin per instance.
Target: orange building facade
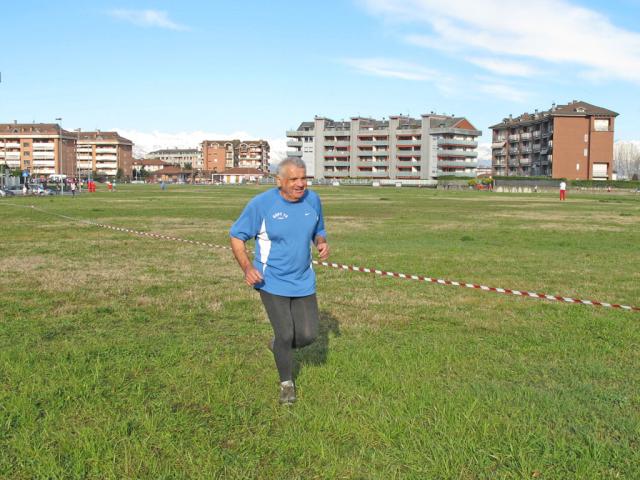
(572, 141)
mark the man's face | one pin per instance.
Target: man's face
(292, 183)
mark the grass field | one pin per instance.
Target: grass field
(128, 357)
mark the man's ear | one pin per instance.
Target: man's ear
(278, 181)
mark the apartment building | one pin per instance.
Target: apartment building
(400, 148)
(104, 153)
(150, 165)
(573, 141)
(221, 155)
(183, 157)
(42, 149)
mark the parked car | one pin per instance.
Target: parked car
(15, 190)
(40, 190)
(6, 193)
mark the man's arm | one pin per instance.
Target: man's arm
(251, 275)
(322, 246)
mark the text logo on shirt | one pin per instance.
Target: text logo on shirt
(280, 216)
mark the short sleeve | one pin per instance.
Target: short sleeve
(320, 225)
(247, 225)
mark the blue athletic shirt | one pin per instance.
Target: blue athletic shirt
(284, 232)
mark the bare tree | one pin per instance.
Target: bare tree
(626, 159)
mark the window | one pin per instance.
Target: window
(25, 154)
(25, 144)
(585, 152)
(601, 125)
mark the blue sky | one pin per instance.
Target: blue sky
(169, 73)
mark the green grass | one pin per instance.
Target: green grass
(129, 357)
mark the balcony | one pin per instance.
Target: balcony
(525, 150)
(43, 146)
(457, 164)
(12, 145)
(525, 136)
(84, 157)
(536, 148)
(536, 134)
(525, 161)
(457, 153)
(514, 151)
(382, 143)
(336, 163)
(44, 163)
(500, 153)
(337, 143)
(294, 153)
(495, 145)
(299, 133)
(44, 170)
(372, 163)
(12, 155)
(294, 143)
(106, 158)
(514, 138)
(409, 142)
(383, 174)
(43, 154)
(454, 141)
(336, 153)
(106, 150)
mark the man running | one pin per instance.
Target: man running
(285, 221)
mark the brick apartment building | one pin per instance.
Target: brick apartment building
(42, 149)
(104, 153)
(221, 155)
(400, 148)
(573, 141)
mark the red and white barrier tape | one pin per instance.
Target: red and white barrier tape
(382, 273)
(419, 278)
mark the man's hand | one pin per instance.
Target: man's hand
(323, 250)
(252, 276)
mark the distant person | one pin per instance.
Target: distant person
(563, 190)
(25, 190)
(163, 186)
(113, 186)
(110, 186)
(285, 221)
(73, 189)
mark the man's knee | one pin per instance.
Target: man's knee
(284, 338)
(306, 338)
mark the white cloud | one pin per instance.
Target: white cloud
(555, 31)
(504, 67)
(383, 67)
(145, 142)
(147, 18)
(505, 92)
(484, 154)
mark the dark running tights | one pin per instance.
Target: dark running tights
(295, 324)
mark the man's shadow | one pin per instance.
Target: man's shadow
(318, 351)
